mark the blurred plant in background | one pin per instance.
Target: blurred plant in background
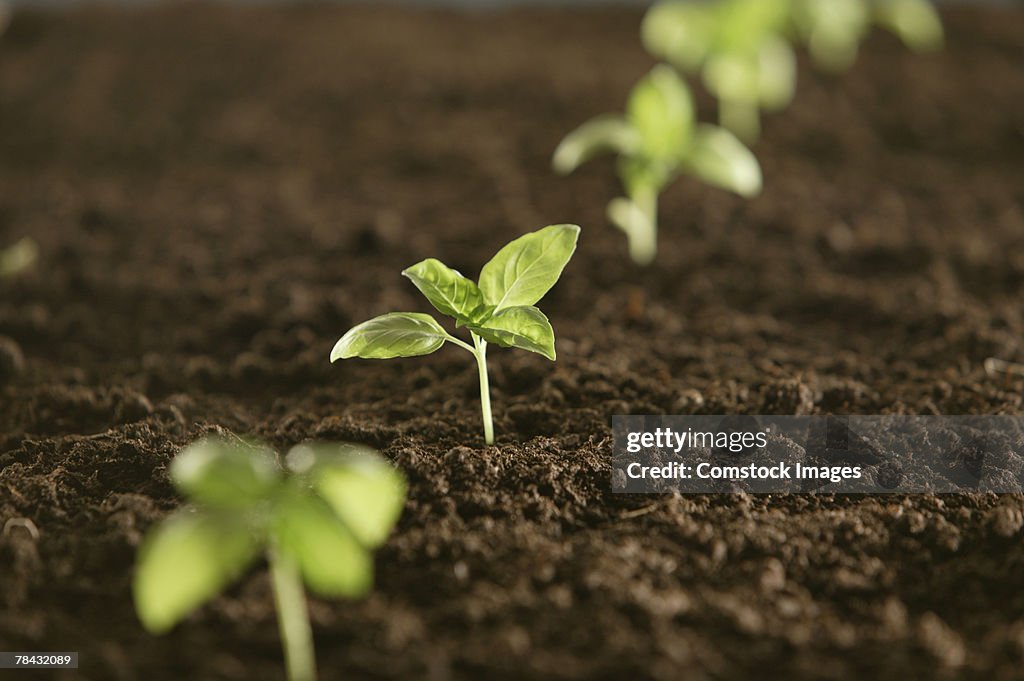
(739, 49)
(5, 15)
(833, 31)
(656, 140)
(743, 49)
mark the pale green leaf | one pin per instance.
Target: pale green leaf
(661, 110)
(224, 473)
(733, 76)
(364, 491)
(525, 269)
(916, 22)
(743, 24)
(331, 559)
(523, 327)
(447, 290)
(398, 334)
(604, 133)
(680, 32)
(720, 159)
(185, 561)
(833, 30)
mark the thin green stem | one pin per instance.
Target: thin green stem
(643, 235)
(485, 388)
(292, 618)
(461, 343)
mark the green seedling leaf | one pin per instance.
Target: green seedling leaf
(742, 25)
(364, 492)
(832, 30)
(224, 474)
(720, 159)
(331, 560)
(733, 76)
(398, 334)
(448, 291)
(661, 111)
(681, 32)
(916, 23)
(523, 327)
(186, 561)
(524, 270)
(609, 133)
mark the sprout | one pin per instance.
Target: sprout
(655, 141)
(834, 30)
(738, 48)
(499, 309)
(316, 525)
(742, 51)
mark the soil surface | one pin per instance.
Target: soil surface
(219, 193)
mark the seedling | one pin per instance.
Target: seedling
(316, 524)
(499, 309)
(739, 49)
(742, 51)
(657, 140)
(834, 30)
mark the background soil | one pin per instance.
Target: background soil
(219, 193)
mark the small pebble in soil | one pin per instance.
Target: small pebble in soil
(688, 402)
(788, 397)
(1006, 519)
(12, 361)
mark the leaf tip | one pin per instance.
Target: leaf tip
(340, 350)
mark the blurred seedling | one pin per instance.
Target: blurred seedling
(5, 16)
(19, 257)
(499, 309)
(657, 140)
(316, 522)
(834, 30)
(738, 48)
(742, 48)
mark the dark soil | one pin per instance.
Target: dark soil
(219, 193)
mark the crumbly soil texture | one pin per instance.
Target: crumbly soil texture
(220, 192)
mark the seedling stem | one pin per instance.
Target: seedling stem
(643, 241)
(292, 618)
(485, 388)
